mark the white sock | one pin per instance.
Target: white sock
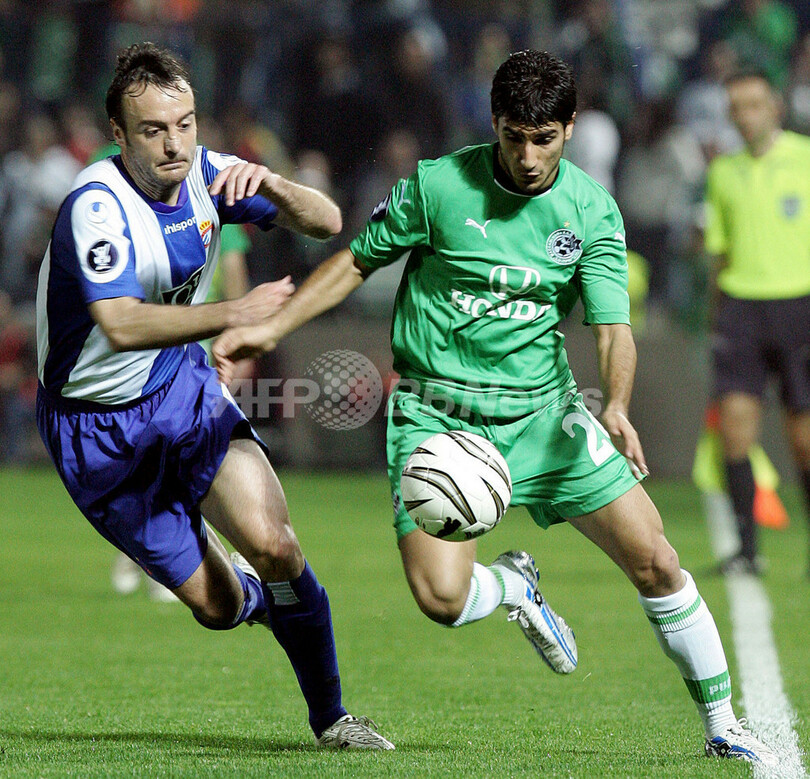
(512, 584)
(686, 631)
(484, 597)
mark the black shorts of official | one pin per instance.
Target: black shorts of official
(755, 340)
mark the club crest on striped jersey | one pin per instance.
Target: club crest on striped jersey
(206, 232)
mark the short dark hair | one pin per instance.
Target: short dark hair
(534, 88)
(137, 67)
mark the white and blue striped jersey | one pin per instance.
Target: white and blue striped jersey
(110, 240)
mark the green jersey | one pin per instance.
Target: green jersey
(491, 274)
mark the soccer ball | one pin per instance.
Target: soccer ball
(456, 485)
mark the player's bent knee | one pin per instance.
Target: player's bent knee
(441, 600)
(658, 573)
(275, 553)
(443, 612)
(220, 615)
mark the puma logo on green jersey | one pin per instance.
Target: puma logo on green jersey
(472, 223)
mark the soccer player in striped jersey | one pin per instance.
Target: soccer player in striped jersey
(502, 239)
(144, 437)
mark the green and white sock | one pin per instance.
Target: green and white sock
(485, 595)
(512, 584)
(686, 631)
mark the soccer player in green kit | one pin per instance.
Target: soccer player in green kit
(502, 238)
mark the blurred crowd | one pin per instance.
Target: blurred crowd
(346, 95)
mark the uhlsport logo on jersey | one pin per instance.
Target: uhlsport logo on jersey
(564, 247)
(178, 227)
(96, 212)
(507, 284)
(206, 232)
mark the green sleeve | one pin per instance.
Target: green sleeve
(398, 223)
(715, 237)
(602, 273)
(233, 238)
(107, 150)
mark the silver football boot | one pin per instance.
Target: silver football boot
(546, 631)
(351, 732)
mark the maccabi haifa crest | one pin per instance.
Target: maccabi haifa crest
(564, 247)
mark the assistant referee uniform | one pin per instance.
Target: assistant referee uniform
(758, 221)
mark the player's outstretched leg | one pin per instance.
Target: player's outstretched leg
(454, 590)
(546, 631)
(630, 531)
(345, 732)
(247, 505)
(687, 633)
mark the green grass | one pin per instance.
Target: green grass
(95, 684)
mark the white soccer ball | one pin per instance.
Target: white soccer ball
(456, 485)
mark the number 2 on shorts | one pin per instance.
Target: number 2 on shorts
(599, 452)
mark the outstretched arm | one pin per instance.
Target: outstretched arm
(617, 368)
(300, 208)
(329, 284)
(131, 324)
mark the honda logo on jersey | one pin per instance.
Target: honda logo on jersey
(509, 281)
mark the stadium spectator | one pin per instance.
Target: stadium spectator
(798, 92)
(757, 226)
(592, 41)
(36, 178)
(500, 375)
(658, 183)
(596, 144)
(142, 434)
(83, 136)
(492, 45)
(415, 98)
(763, 33)
(10, 108)
(17, 362)
(399, 155)
(334, 113)
(702, 105)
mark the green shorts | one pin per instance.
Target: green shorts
(562, 461)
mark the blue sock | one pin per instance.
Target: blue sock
(302, 624)
(254, 606)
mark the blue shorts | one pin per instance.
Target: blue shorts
(138, 472)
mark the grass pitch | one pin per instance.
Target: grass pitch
(95, 684)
